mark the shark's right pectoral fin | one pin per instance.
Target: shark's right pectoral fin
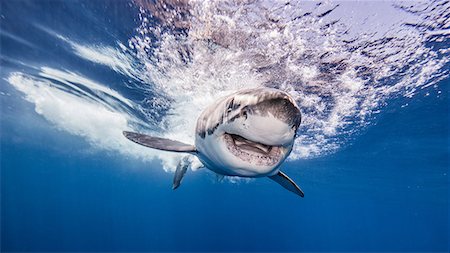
(287, 183)
(159, 143)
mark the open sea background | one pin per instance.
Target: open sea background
(372, 155)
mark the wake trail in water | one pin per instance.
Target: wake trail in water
(340, 60)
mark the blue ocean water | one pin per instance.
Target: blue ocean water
(385, 188)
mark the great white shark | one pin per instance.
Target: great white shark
(246, 134)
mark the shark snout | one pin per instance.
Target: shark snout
(283, 108)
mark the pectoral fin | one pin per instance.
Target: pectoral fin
(180, 171)
(287, 183)
(159, 143)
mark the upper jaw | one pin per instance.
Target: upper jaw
(261, 137)
(255, 147)
(254, 152)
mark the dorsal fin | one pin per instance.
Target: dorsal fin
(287, 183)
(159, 143)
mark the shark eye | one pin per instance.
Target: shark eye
(244, 113)
(230, 105)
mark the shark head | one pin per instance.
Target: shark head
(249, 133)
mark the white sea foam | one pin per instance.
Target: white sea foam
(70, 78)
(340, 60)
(72, 113)
(86, 116)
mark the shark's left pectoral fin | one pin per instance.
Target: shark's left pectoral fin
(287, 183)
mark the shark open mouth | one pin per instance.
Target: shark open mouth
(252, 152)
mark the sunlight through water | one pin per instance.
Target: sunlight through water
(341, 60)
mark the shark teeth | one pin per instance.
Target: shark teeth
(253, 152)
(243, 143)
